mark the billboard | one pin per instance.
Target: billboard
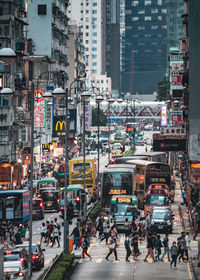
(173, 130)
(163, 115)
(59, 124)
(167, 145)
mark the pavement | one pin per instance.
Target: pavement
(99, 268)
(193, 249)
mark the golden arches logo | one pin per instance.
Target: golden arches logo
(61, 124)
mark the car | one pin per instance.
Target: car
(38, 208)
(37, 254)
(160, 219)
(16, 254)
(51, 199)
(15, 270)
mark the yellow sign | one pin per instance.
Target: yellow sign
(46, 147)
(195, 165)
(117, 192)
(124, 200)
(60, 125)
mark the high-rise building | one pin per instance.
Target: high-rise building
(47, 27)
(88, 15)
(175, 28)
(111, 42)
(145, 50)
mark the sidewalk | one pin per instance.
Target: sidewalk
(193, 250)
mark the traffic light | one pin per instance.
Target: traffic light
(78, 202)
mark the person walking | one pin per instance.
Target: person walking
(112, 248)
(134, 243)
(187, 240)
(106, 229)
(149, 247)
(43, 233)
(127, 227)
(85, 248)
(76, 233)
(166, 247)
(158, 247)
(180, 249)
(55, 236)
(127, 247)
(174, 254)
(99, 223)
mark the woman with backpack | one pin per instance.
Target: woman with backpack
(112, 248)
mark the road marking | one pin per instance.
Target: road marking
(99, 260)
(189, 270)
(47, 261)
(132, 261)
(115, 261)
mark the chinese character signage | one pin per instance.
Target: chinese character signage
(176, 82)
(177, 118)
(163, 115)
(49, 120)
(39, 108)
(88, 116)
(173, 131)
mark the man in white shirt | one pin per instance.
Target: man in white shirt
(187, 240)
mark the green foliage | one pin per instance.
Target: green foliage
(100, 119)
(95, 212)
(128, 153)
(60, 270)
(43, 273)
(163, 87)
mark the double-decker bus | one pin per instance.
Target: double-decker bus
(14, 206)
(147, 173)
(76, 173)
(116, 180)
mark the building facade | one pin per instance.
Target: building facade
(145, 51)
(88, 15)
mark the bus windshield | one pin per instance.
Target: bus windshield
(161, 215)
(157, 200)
(158, 173)
(115, 183)
(123, 210)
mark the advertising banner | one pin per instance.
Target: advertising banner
(88, 116)
(167, 145)
(175, 131)
(177, 118)
(59, 124)
(163, 115)
(49, 119)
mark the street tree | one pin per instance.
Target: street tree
(100, 120)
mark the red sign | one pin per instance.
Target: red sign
(177, 80)
(177, 119)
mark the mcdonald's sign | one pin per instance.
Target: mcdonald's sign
(46, 147)
(59, 124)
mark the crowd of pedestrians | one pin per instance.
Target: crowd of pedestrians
(11, 235)
(50, 232)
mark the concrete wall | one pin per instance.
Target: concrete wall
(194, 78)
(39, 28)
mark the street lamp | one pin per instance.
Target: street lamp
(110, 102)
(57, 93)
(7, 56)
(99, 99)
(84, 96)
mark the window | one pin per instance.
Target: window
(94, 34)
(154, 27)
(4, 102)
(94, 56)
(3, 135)
(94, 19)
(87, 49)
(94, 64)
(94, 49)
(147, 2)
(141, 27)
(135, 3)
(102, 81)
(86, 34)
(87, 41)
(87, 19)
(164, 11)
(140, 12)
(87, 4)
(147, 18)
(94, 12)
(87, 26)
(154, 11)
(23, 135)
(94, 4)
(94, 27)
(159, 17)
(94, 41)
(159, 2)
(94, 71)
(87, 11)
(42, 9)
(135, 18)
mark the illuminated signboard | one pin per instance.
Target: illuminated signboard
(163, 115)
(113, 192)
(39, 109)
(124, 200)
(158, 180)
